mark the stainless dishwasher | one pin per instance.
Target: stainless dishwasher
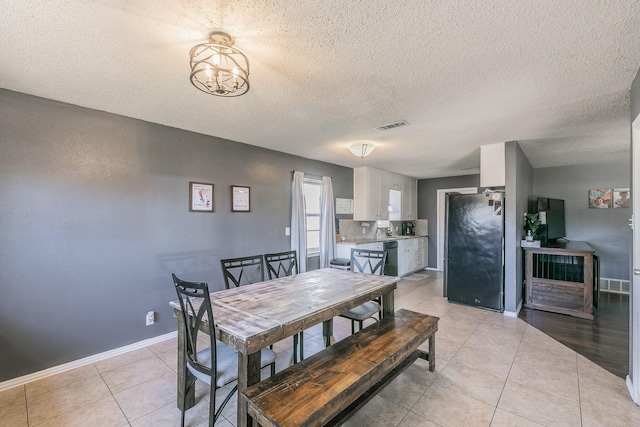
(391, 264)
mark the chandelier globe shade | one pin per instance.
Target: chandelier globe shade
(218, 68)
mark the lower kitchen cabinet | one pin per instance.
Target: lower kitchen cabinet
(344, 249)
(412, 255)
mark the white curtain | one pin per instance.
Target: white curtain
(298, 221)
(327, 224)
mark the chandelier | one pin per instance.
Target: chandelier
(218, 68)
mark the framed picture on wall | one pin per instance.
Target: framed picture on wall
(200, 197)
(600, 198)
(240, 199)
(621, 198)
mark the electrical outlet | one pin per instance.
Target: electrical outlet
(151, 318)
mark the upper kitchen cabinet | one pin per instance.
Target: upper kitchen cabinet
(492, 165)
(370, 194)
(409, 198)
(396, 182)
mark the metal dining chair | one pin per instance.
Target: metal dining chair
(216, 365)
(242, 271)
(372, 262)
(283, 264)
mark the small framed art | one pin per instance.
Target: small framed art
(240, 198)
(621, 198)
(600, 198)
(200, 197)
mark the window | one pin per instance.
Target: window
(312, 195)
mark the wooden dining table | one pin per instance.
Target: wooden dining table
(252, 317)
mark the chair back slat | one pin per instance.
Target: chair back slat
(368, 261)
(242, 271)
(281, 264)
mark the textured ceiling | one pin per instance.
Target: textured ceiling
(554, 75)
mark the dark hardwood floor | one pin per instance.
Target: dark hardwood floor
(604, 340)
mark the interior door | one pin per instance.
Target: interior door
(633, 379)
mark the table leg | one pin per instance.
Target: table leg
(388, 304)
(432, 352)
(248, 374)
(184, 374)
(327, 332)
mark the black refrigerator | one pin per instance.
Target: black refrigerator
(474, 250)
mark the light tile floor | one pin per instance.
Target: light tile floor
(492, 370)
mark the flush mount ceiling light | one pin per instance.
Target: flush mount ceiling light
(218, 68)
(361, 148)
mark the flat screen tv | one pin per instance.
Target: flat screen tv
(554, 211)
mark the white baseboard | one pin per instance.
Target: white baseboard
(514, 313)
(85, 361)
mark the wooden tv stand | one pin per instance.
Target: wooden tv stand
(562, 278)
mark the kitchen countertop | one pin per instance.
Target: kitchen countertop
(383, 239)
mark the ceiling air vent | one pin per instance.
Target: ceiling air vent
(391, 125)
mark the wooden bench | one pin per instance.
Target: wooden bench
(330, 386)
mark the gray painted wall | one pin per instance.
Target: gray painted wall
(94, 218)
(427, 204)
(606, 230)
(518, 191)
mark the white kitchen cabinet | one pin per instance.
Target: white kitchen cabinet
(370, 194)
(344, 249)
(412, 255)
(417, 255)
(409, 199)
(377, 246)
(383, 195)
(396, 181)
(404, 249)
(424, 248)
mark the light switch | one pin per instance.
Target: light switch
(287, 231)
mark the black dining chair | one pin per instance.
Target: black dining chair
(217, 364)
(242, 271)
(365, 261)
(283, 264)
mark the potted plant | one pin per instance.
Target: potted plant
(532, 226)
